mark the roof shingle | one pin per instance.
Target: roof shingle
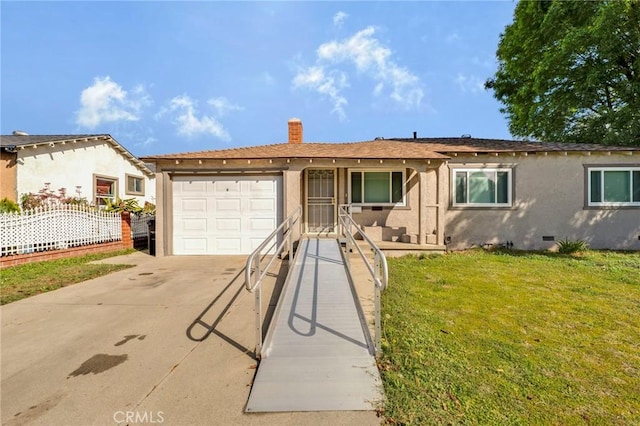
(378, 149)
(400, 148)
(478, 145)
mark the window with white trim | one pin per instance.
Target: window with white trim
(614, 186)
(135, 185)
(482, 187)
(377, 187)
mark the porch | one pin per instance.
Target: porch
(398, 204)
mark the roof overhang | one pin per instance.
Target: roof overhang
(106, 138)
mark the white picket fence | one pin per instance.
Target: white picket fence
(54, 228)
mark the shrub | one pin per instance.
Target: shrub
(129, 205)
(568, 246)
(46, 197)
(8, 206)
(149, 208)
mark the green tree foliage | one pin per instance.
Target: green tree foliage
(569, 71)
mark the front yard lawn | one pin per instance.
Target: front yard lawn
(512, 338)
(18, 282)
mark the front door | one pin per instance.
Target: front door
(321, 200)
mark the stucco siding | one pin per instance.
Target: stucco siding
(293, 171)
(397, 219)
(74, 165)
(8, 176)
(548, 201)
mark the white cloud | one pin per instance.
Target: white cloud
(188, 121)
(370, 58)
(222, 105)
(106, 101)
(140, 98)
(469, 83)
(150, 140)
(329, 85)
(339, 18)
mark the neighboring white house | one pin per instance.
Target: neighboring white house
(95, 167)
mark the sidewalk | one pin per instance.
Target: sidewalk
(133, 348)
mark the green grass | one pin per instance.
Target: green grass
(19, 282)
(512, 338)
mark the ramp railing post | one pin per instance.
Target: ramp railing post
(258, 314)
(345, 225)
(291, 223)
(378, 307)
(254, 285)
(379, 271)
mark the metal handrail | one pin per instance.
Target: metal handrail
(260, 273)
(379, 271)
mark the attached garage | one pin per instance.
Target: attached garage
(224, 214)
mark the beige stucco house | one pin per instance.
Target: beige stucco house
(95, 167)
(425, 192)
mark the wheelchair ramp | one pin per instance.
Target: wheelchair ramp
(318, 354)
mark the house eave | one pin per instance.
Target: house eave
(92, 138)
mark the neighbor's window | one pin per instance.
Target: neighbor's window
(614, 186)
(482, 187)
(105, 188)
(135, 185)
(377, 187)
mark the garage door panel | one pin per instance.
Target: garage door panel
(193, 205)
(266, 225)
(224, 225)
(227, 187)
(191, 245)
(228, 206)
(224, 214)
(193, 187)
(191, 225)
(262, 186)
(262, 205)
(228, 245)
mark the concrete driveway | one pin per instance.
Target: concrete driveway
(134, 347)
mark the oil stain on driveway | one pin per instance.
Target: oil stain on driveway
(99, 363)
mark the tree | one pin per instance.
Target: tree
(569, 71)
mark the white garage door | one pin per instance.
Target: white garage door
(224, 214)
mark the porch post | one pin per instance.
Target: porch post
(292, 194)
(422, 207)
(164, 215)
(443, 191)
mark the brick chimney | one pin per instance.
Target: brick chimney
(295, 130)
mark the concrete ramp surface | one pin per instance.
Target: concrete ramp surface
(318, 354)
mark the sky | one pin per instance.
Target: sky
(166, 77)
